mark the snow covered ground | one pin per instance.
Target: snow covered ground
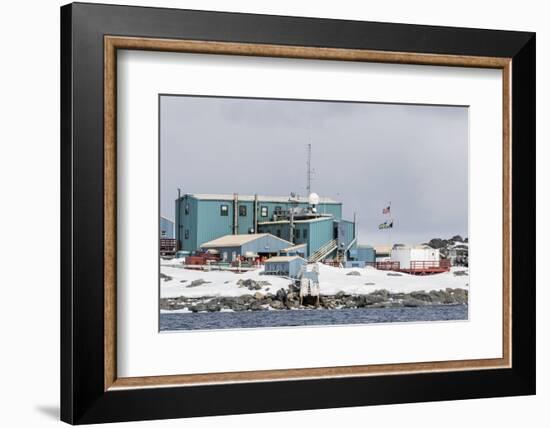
(331, 280)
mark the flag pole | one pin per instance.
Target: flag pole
(390, 228)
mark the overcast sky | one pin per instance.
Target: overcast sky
(363, 154)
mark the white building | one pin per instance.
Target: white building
(407, 254)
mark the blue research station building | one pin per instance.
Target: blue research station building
(166, 228)
(240, 225)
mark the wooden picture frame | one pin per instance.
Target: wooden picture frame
(91, 390)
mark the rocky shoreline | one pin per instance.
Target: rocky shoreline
(285, 299)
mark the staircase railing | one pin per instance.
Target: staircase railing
(323, 251)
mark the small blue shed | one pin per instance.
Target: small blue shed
(251, 245)
(284, 266)
(363, 253)
(166, 228)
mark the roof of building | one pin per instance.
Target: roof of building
(294, 247)
(413, 247)
(309, 220)
(261, 198)
(238, 240)
(279, 259)
(363, 246)
(381, 249)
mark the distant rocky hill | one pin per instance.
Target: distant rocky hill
(455, 249)
(440, 243)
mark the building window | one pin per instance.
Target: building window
(186, 209)
(224, 210)
(186, 233)
(242, 210)
(278, 210)
(163, 232)
(263, 211)
(304, 234)
(278, 233)
(296, 233)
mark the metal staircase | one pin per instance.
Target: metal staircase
(341, 252)
(323, 251)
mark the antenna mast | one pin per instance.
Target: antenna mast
(309, 169)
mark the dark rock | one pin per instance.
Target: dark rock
(245, 299)
(437, 296)
(294, 287)
(292, 304)
(292, 296)
(255, 306)
(251, 284)
(361, 301)
(382, 293)
(199, 307)
(281, 295)
(379, 305)
(373, 298)
(394, 274)
(437, 243)
(198, 282)
(213, 306)
(413, 303)
(350, 303)
(354, 273)
(461, 296)
(421, 295)
(277, 304)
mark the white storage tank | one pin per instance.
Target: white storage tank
(405, 254)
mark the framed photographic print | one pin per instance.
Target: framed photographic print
(277, 213)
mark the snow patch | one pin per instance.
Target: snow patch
(332, 280)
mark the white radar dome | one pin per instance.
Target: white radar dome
(313, 199)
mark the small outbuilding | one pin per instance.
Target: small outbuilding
(166, 228)
(362, 253)
(382, 252)
(290, 266)
(230, 247)
(421, 259)
(408, 255)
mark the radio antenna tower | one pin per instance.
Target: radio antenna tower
(309, 171)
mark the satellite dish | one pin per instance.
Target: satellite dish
(313, 199)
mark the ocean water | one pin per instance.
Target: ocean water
(309, 317)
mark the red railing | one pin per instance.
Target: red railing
(430, 264)
(416, 266)
(387, 265)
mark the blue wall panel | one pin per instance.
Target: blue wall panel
(166, 228)
(200, 220)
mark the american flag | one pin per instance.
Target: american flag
(386, 210)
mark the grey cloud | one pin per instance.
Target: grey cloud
(364, 154)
